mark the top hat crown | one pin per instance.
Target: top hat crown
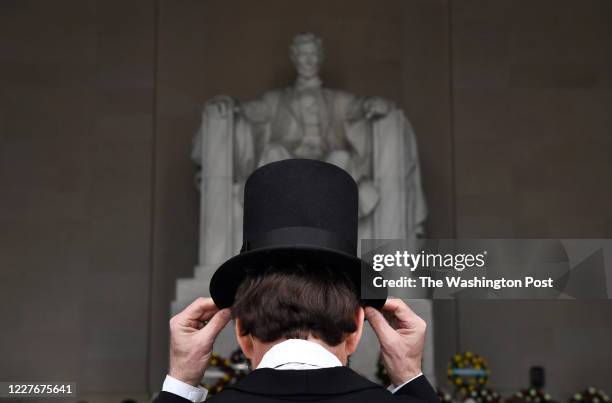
(295, 209)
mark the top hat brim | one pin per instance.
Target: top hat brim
(226, 280)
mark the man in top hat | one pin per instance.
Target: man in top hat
(294, 292)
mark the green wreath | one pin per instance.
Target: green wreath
(444, 397)
(231, 370)
(483, 395)
(590, 395)
(226, 377)
(467, 372)
(533, 395)
(381, 372)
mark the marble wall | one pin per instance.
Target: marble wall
(76, 173)
(532, 95)
(510, 102)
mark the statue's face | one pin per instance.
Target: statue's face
(307, 60)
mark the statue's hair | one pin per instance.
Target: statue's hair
(306, 37)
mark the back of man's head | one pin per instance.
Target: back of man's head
(296, 301)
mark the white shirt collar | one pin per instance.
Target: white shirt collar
(298, 354)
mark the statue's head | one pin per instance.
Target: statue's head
(306, 52)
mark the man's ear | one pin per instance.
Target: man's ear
(245, 342)
(352, 340)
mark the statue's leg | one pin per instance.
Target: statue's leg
(340, 158)
(272, 153)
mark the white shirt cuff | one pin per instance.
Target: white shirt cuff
(393, 388)
(196, 394)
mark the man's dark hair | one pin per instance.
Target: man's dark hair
(295, 300)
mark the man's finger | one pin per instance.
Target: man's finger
(401, 311)
(216, 324)
(380, 325)
(200, 309)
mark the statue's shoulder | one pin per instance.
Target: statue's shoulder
(338, 94)
(273, 95)
(339, 97)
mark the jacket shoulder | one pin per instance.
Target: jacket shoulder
(167, 397)
(378, 395)
(234, 396)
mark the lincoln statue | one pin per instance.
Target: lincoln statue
(369, 137)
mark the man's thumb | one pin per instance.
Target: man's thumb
(216, 324)
(379, 323)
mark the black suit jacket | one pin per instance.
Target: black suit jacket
(329, 385)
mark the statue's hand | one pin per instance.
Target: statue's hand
(221, 106)
(376, 107)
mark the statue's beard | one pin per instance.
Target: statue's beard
(308, 72)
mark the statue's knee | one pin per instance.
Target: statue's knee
(273, 153)
(340, 158)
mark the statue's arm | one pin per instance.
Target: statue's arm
(260, 110)
(218, 109)
(247, 117)
(358, 108)
(353, 106)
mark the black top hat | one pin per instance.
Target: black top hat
(297, 209)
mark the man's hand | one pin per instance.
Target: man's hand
(401, 339)
(192, 334)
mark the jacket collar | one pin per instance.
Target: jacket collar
(324, 381)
